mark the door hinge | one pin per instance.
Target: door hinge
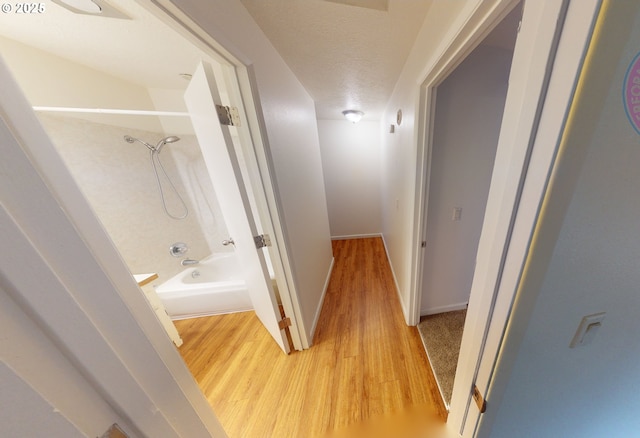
(286, 322)
(480, 401)
(228, 115)
(262, 240)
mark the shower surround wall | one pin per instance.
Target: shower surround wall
(118, 181)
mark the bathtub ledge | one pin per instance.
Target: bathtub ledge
(143, 279)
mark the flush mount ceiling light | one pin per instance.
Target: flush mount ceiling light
(80, 6)
(91, 7)
(353, 115)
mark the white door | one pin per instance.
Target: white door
(220, 157)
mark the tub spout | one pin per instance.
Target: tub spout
(187, 262)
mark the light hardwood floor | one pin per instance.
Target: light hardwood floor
(364, 362)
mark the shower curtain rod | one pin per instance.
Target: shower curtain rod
(110, 111)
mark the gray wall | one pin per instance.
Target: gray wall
(351, 166)
(468, 114)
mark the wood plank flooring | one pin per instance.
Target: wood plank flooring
(365, 361)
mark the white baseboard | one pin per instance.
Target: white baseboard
(356, 236)
(395, 278)
(319, 309)
(443, 309)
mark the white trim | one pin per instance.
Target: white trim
(316, 318)
(395, 279)
(443, 309)
(356, 236)
(473, 24)
(59, 109)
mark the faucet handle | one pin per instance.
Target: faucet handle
(228, 241)
(178, 249)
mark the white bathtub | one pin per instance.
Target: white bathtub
(214, 286)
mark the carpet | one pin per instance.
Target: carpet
(441, 335)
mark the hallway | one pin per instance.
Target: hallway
(365, 361)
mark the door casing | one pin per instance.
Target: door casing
(507, 228)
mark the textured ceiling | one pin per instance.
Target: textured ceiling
(348, 54)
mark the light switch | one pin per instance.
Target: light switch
(587, 329)
(457, 214)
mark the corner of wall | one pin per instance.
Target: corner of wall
(312, 330)
(406, 311)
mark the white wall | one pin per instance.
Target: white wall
(467, 121)
(292, 137)
(399, 150)
(49, 80)
(351, 166)
(584, 260)
(118, 180)
(116, 176)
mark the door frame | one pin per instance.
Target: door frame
(431, 97)
(254, 140)
(477, 27)
(221, 158)
(491, 297)
(254, 143)
(482, 21)
(109, 331)
(92, 310)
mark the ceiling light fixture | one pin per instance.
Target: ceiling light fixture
(84, 6)
(353, 115)
(98, 8)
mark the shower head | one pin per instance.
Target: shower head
(166, 140)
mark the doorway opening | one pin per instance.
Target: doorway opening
(116, 176)
(468, 106)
